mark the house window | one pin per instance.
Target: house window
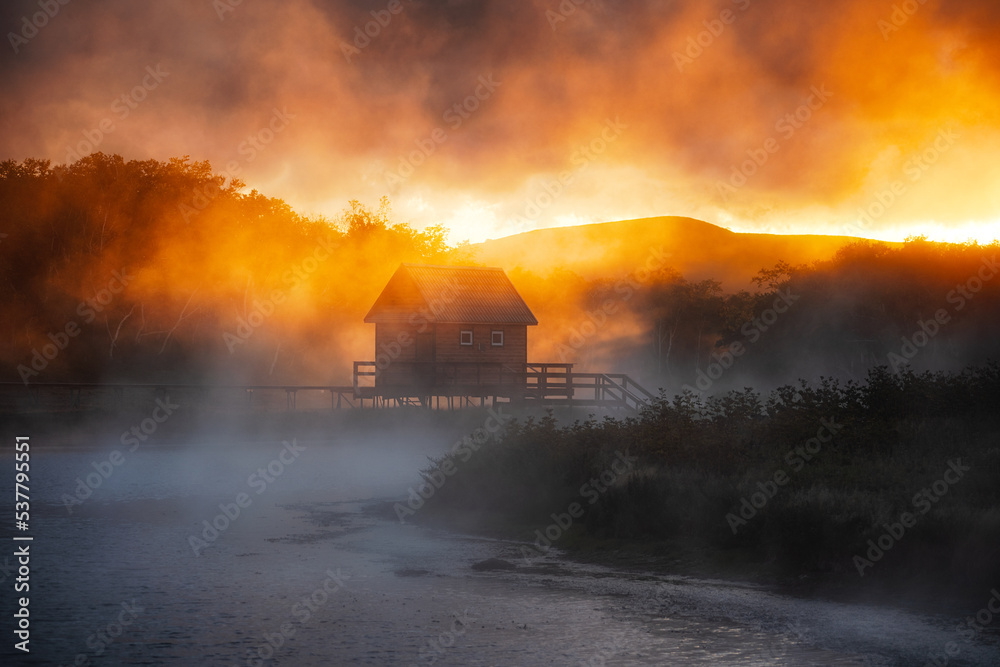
(466, 338)
(497, 338)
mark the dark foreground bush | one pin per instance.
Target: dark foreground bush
(893, 479)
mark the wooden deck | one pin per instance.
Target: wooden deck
(15, 396)
(433, 385)
(532, 383)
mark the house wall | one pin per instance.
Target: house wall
(397, 340)
(514, 350)
(396, 346)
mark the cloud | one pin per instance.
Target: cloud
(699, 84)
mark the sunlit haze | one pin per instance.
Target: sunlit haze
(500, 332)
(492, 118)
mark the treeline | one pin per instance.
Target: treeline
(166, 271)
(805, 480)
(149, 270)
(922, 306)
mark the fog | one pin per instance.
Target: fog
(696, 95)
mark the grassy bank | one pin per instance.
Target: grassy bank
(788, 487)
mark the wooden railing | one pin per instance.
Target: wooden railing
(553, 383)
(404, 375)
(76, 395)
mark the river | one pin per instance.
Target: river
(312, 572)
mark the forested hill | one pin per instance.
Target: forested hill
(164, 271)
(696, 249)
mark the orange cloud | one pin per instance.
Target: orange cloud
(701, 86)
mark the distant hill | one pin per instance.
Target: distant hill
(697, 249)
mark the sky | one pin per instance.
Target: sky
(873, 119)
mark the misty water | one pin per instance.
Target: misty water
(316, 566)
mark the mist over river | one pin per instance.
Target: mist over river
(274, 552)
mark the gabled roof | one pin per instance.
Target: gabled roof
(450, 294)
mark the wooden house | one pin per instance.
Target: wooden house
(448, 325)
(461, 332)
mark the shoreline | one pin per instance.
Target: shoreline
(834, 579)
(699, 561)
